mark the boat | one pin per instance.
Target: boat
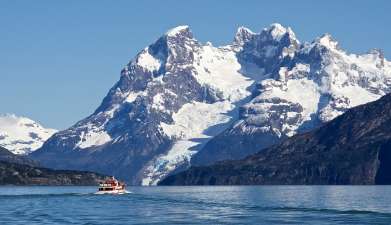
(111, 186)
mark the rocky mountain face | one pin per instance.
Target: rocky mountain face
(311, 84)
(180, 101)
(20, 170)
(22, 174)
(354, 148)
(22, 135)
(7, 156)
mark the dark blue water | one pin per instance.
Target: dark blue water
(198, 205)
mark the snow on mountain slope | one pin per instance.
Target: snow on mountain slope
(179, 100)
(195, 123)
(192, 127)
(328, 87)
(318, 82)
(219, 69)
(150, 116)
(22, 135)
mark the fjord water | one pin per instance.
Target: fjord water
(198, 205)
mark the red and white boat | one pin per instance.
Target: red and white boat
(111, 186)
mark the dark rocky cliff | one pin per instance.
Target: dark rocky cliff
(7, 156)
(20, 170)
(21, 174)
(354, 148)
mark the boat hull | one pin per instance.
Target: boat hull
(114, 192)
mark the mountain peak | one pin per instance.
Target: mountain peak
(277, 31)
(327, 41)
(172, 46)
(243, 34)
(22, 135)
(179, 30)
(12, 119)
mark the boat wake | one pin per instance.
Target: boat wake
(38, 195)
(112, 193)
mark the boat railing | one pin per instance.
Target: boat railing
(106, 185)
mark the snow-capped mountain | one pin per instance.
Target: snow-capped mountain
(315, 83)
(177, 96)
(22, 135)
(171, 98)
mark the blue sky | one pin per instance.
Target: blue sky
(58, 59)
